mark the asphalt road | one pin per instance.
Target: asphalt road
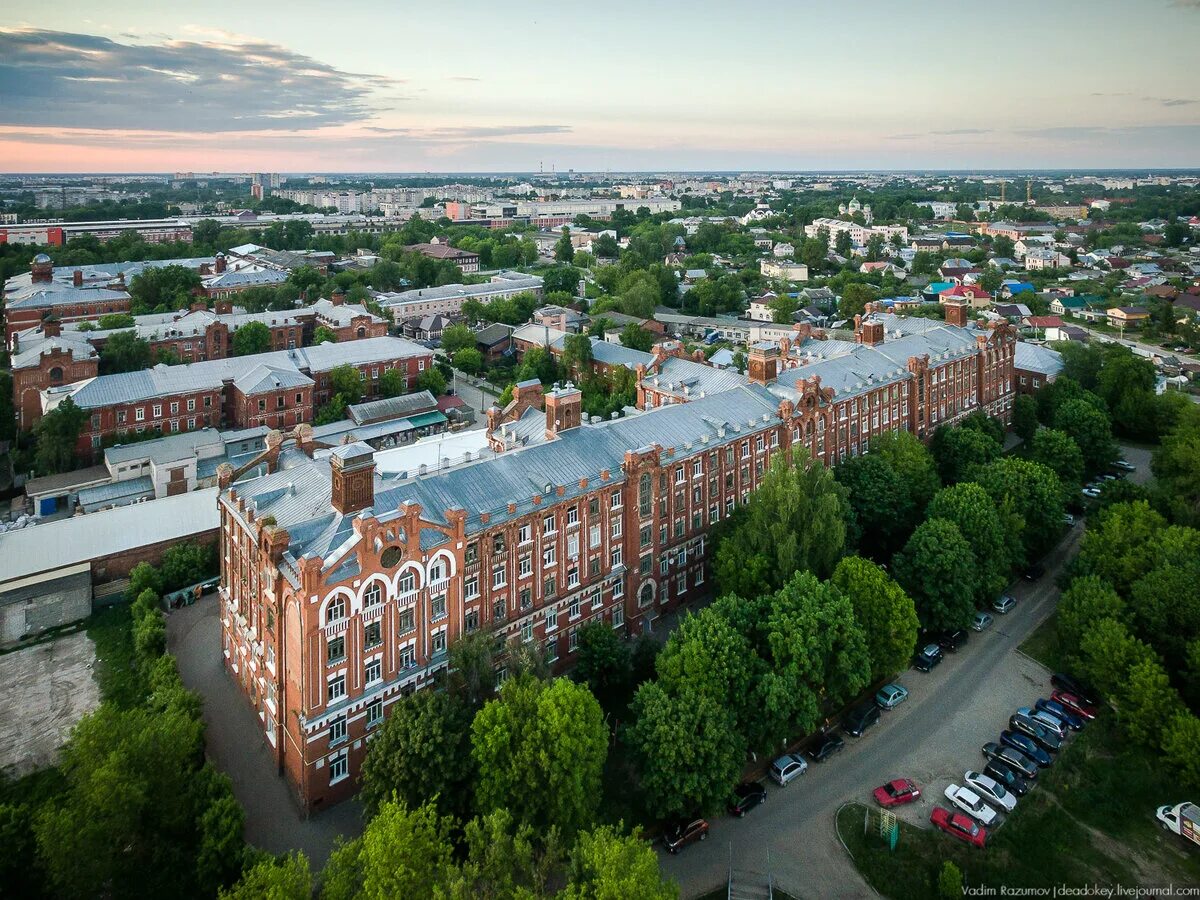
(933, 738)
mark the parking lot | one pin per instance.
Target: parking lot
(44, 690)
(933, 738)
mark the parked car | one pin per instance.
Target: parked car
(746, 796)
(787, 767)
(1026, 745)
(1050, 722)
(928, 657)
(1004, 604)
(991, 790)
(897, 793)
(1034, 572)
(860, 719)
(981, 621)
(1068, 520)
(971, 803)
(952, 640)
(1042, 736)
(1072, 685)
(891, 695)
(1125, 465)
(826, 745)
(960, 826)
(1075, 704)
(1090, 492)
(685, 831)
(1011, 757)
(1070, 719)
(1005, 775)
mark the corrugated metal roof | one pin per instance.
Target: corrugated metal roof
(56, 545)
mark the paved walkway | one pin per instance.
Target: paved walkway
(933, 738)
(236, 746)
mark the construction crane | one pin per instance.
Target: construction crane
(1003, 184)
(1028, 190)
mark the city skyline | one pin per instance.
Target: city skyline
(474, 88)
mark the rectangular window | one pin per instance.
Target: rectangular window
(697, 468)
(573, 515)
(573, 609)
(525, 566)
(139, 414)
(336, 688)
(551, 619)
(548, 525)
(471, 622)
(573, 641)
(616, 557)
(549, 587)
(594, 537)
(374, 713)
(679, 474)
(552, 650)
(615, 502)
(572, 546)
(498, 610)
(336, 649)
(498, 577)
(157, 411)
(645, 536)
(191, 404)
(408, 583)
(372, 635)
(472, 587)
(439, 641)
(174, 407)
(407, 621)
(472, 554)
(498, 543)
(572, 578)
(525, 534)
(337, 730)
(618, 611)
(374, 671)
(339, 767)
(550, 556)
(438, 607)
(526, 599)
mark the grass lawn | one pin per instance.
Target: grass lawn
(1089, 820)
(111, 630)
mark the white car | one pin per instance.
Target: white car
(991, 790)
(787, 767)
(1090, 491)
(971, 803)
(1069, 520)
(1004, 604)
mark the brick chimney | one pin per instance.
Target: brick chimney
(77, 278)
(870, 333)
(223, 307)
(564, 409)
(219, 266)
(338, 297)
(51, 327)
(956, 313)
(41, 270)
(763, 363)
(352, 467)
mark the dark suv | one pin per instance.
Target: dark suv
(684, 832)
(928, 657)
(860, 719)
(746, 796)
(825, 746)
(952, 640)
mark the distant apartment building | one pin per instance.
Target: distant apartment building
(783, 269)
(859, 234)
(448, 299)
(438, 249)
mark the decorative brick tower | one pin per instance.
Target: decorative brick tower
(41, 270)
(353, 470)
(956, 313)
(762, 367)
(564, 409)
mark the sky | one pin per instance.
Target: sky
(653, 85)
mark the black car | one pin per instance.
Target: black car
(746, 796)
(928, 657)
(679, 834)
(952, 640)
(1026, 745)
(1007, 776)
(1043, 736)
(1013, 758)
(860, 719)
(825, 746)
(1034, 572)
(1065, 682)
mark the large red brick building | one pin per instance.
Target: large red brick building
(342, 588)
(280, 389)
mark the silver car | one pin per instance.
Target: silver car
(981, 621)
(991, 790)
(890, 696)
(1049, 721)
(1004, 604)
(787, 767)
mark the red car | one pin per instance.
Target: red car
(897, 793)
(961, 826)
(1074, 704)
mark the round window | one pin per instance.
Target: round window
(390, 558)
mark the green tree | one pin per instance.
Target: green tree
(504, 860)
(1126, 384)
(1088, 600)
(457, 337)
(843, 244)
(970, 508)
(540, 750)
(885, 613)
(432, 380)
(563, 279)
(1108, 653)
(1148, 703)
(950, 881)
(323, 335)
(912, 461)
(564, 250)
(685, 749)
(884, 511)
(56, 436)
(1024, 417)
(795, 521)
(1090, 429)
(1122, 545)
(251, 338)
(609, 865)
(125, 352)
(468, 360)
(1179, 742)
(1176, 467)
(636, 337)
(577, 354)
(1028, 497)
(855, 298)
(274, 878)
(421, 755)
(938, 570)
(1058, 452)
(1166, 610)
(333, 411)
(402, 853)
(346, 382)
(960, 451)
(603, 663)
(162, 288)
(393, 383)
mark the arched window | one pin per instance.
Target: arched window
(437, 571)
(408, 582)
(336, 611)
(56, 374)
(362, 332)
(646, 594)
(373, 595)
